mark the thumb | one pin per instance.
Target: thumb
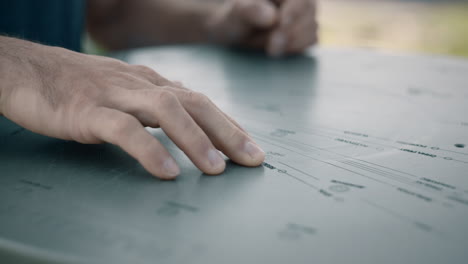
(258, 13)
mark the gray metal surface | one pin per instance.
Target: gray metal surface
(366, 163)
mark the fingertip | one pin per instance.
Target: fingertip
(248, 154)
(257, 155)
(170, 168)
(179, 84)
(166, 170)
(216, 165)
(166, 178)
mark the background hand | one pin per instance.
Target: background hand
(276, 26)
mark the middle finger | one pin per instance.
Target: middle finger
(225, 133)
(164, 108)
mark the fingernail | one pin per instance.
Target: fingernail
(254, 151)
(278, 42)
(171, 168)
(215, 159)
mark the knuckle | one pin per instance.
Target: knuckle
(236, 136)
(120, 127)
(117, 64)
(145, 70)
(198, 141)
(111, 60)
(167, 98)
(118, 77)
(180, 85)
(197, 99)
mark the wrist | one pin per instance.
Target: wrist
(17, 60)
(218, 28)
(190, 21)
(208, 18)
(183, 21)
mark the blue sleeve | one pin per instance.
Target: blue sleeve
(51, 22)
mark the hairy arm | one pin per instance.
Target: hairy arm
(93, 99)
(16, 67)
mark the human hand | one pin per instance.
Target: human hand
(277, 26)
(93, 99)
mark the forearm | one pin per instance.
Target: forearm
(92, 99)
(124, 24)
(15, 69)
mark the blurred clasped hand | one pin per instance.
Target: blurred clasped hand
(278, 27)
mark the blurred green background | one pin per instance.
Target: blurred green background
(424, 26)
